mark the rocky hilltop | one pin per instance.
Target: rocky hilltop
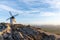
(24, 32)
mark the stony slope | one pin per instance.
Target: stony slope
(22, 32)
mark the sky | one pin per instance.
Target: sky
(31, 11)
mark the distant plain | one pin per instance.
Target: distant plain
(50, 28)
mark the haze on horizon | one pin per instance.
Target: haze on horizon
(31, 11)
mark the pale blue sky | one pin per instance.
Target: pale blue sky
(31, 11)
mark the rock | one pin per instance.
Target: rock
(27, 33)
(1, 37)
(58, 38)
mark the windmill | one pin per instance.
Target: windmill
(12, 18)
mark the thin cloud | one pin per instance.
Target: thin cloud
(32, 11)
(7, 8)
(53, 3)
(48, 14)
(37, 12)
(46, 4)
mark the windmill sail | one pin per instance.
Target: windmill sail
(16, 15)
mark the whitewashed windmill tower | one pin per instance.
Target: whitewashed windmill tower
(12, 18)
